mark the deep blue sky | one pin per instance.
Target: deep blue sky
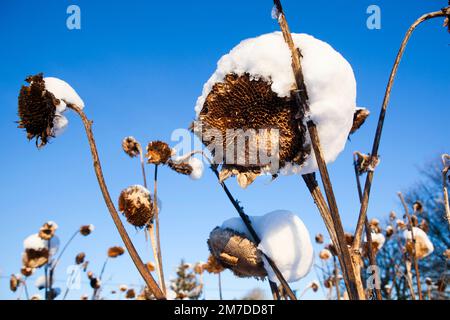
(140, 66)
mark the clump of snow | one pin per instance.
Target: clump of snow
(60, 124)
(275, 13)
(378, 238)
(424, 246)
(35, 242)
(91, 227)
(284, 239)
(329, 80)
(63, 91)
(40, 282)
(197, 168)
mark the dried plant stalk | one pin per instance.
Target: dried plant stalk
(148, 278)
(352, 281)
(158, 238)
(368, 184)
(445, 158)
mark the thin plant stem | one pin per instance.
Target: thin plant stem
(376, 143)
(58, 259)
(151, 233)
(353, 283)
(141, 156)
(413, 239)
(445, 158)
(68, 287)
(158, 238)
(146, 275)
(371, 254)
(275, 291)
(252, 232)
(336, 280)
(220, 286)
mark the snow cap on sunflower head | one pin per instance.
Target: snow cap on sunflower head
(248, 119)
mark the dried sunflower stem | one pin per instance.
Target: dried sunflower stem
(336, 280)
(413, 239)
(151, 232)
(368, 184)
(58, 259)
(253, 233)
(446, 157)
(148, 278)
(372, 259)
(141, 156)
(220, 286)
(158, 239)
(352, 280)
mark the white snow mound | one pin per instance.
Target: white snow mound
(36, 243)
(328, 77)
(284, 239)
(63, 91)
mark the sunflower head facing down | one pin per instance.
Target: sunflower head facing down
(37, 110)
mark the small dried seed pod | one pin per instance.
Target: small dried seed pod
(325, 254)
(315, 286)
(79, 259)
(158, 152)
(389, 231)
(14, 283)
(319, 238)
(115, 251)
(136, 205)
(180, 167)
(47, 231)
(131, 147)
(428, 281)
(366, 162)
(418, 207)
(237, 253)
(150, 266)
(123, 288)
(95, 283)
(87, 229)
(131, 294)
(26, 271)
(359, 118)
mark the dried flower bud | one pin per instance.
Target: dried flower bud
(79, 259)
(131, 294)
(150, 266)
(14, 283)
(366, 162)
(47, 231)
(95, 283)
(360, 116)
(87, 229)
(389, 231)
(428, 281)
(315, 286)
(26, 271)
(349, 238)
(198, 268)
(401, 224)
(123, 288)
(136, 204)
(325, 254)
(131, 146)
(418, 207)
(237, 253)
(35, 297)
(158, 152)
(115, 251)
(90, 275)
(392, 216)
(32, 258)
(319, 238)
(84, 297)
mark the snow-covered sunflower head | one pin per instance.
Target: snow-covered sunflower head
(86, 230)
(423, 246)
(41, 105)
(136, 205)
(235, 251)
(37, 251)
(48, 230)
(249, 98)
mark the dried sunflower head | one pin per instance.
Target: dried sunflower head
(115, 251)
(158, 152)
(79, 259)
(365, 162)
(37, 110)
(325, 254)
(136, 205)
(123, 288)
(315, 286)
(87, 229)
(33, 258)
(47, 231)
(95, 283)
(131, 146)
(418, 207)
(236, 252)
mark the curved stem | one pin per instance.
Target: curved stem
(377, 139)
(148, 278)
(158, 239)
(55, 264)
